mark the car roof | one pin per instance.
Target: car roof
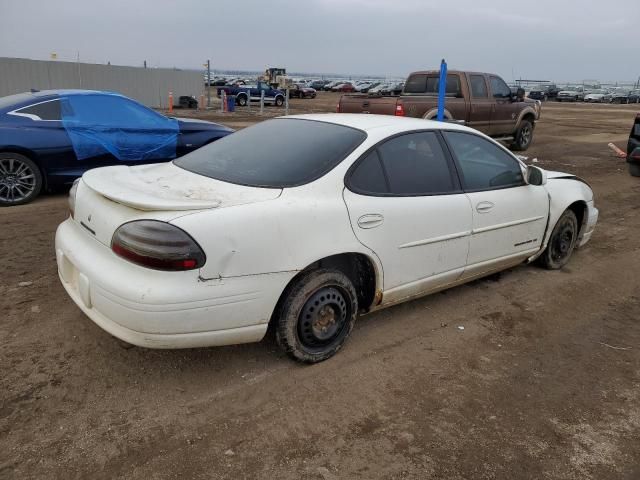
(367, 122)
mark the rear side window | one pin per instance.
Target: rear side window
(368, 176)
(43, 111)
(484, 165)
(499, 88)
(408, 165)
(478, 86)
(428, 85)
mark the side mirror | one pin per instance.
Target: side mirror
(536, 176)
(520, 94)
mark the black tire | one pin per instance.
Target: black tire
(523, 136)
(241, 100)
(634, 169)
(20, 179)
(562, 242)
(316, 315)
(279, 101)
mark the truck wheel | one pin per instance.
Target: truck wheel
(523, 137)
(242, 100)
(634, 169)
(279, 101)
(561, 243)
(317, 315)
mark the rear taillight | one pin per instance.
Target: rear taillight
(157, 245)
(399, 110)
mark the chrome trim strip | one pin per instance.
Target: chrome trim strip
(506, 225)
(442, 238)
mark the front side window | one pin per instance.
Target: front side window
(43, 111)
(499, 88)
(478, 86)
(408, 165)
(275, 153)
(484, 165)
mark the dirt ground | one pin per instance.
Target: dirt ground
(542, 383)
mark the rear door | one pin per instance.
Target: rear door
(481, 104)
(509, 216)
(405, 204)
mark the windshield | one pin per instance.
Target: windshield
(276, 153)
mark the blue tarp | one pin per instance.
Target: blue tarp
(108, 123)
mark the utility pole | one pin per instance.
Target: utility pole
(208, 84)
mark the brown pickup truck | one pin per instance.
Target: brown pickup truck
(479, 100)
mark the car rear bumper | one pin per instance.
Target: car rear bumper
(158, 309)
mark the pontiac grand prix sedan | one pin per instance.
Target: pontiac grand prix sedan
(304, 222)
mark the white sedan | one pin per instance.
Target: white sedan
(304, 222)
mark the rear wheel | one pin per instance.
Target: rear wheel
(242, 100)
(562, 242)
(279, 101)
(523, 137)
(20, 179)
(634, 169)
(317, 315)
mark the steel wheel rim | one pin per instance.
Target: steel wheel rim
(17, 180)
(562, 241)
(323, 318)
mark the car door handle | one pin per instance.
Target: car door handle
(484, 207)
(371, 220)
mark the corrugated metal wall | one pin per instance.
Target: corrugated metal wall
(150, 86)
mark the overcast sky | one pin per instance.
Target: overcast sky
(541, 39)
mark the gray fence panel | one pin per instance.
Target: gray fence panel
(150, 86)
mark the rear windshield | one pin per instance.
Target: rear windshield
(276, 153)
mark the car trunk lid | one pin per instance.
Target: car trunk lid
(108, 197)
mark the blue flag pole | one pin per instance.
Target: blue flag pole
(442, 88)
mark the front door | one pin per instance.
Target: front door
(503, 118)
(480, 105)
(509, 216)
(405, 204)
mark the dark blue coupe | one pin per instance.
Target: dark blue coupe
(50, 138)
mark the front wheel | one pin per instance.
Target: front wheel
(317, 315)
(279, 101)
(20, 179)
(242, 100)
(562, 242)
(523, 137)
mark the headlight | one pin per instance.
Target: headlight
(72, 197)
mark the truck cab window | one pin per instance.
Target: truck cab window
(499, 88)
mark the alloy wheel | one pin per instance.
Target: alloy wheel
(17, 180)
